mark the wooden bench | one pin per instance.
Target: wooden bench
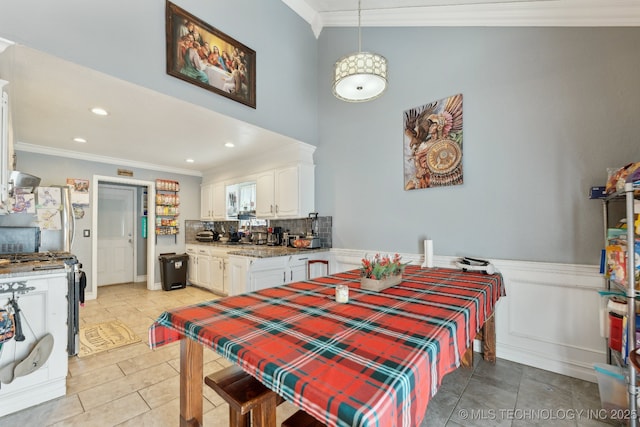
(301, 419)
(247, 397)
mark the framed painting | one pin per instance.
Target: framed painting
(205, 56)
(433, 144)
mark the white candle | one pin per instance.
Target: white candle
(342, 293)
(428, 254)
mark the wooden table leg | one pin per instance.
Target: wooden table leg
(489, 339)
(264, 415)
(190, 383)
(467, 357)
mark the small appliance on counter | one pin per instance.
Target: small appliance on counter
(274, 236)
(308, 242)
(207, 236)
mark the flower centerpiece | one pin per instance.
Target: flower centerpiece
(381, 272)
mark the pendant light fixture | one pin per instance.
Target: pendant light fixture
(361, 76)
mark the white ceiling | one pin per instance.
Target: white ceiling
(50, 109)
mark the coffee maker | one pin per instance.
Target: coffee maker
(274, 236)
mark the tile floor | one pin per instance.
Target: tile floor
(135, 386)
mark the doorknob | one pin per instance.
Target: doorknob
(130, 241)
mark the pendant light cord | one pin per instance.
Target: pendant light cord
(359, 29)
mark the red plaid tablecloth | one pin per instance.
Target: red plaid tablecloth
(375, 361)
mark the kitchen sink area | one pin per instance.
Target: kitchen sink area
(226, 261)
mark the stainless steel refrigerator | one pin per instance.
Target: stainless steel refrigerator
(58, 240)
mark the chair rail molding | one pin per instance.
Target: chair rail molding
(549, 319)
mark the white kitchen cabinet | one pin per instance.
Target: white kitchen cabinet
(265, 194)
(253, 274)
(212, 201)
(296, 269)
(206, 202)
(266, 273)
(192, 267)
(238, 274)
(218, 201)
(285, 192)
(226, 284)
(199, 266)
(203, 269)
(43, 310)
(207, 267)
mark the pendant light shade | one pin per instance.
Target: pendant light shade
(361, 76)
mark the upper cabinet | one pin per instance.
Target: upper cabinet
(285, 192)
(212, 202)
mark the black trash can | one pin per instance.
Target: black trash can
(173, 271)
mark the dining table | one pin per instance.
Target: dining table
(375, 360)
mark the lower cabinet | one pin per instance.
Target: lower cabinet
(43, 308)
(249, 274)
(207, 267)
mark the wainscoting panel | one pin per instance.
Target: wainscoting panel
(549, 318)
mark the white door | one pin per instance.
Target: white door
(115, 234)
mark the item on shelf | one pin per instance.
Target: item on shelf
(612, 387)
(167, 201)
(617, 267)
(618, 177)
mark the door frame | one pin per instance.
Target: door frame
(134, 219)
(92, 289)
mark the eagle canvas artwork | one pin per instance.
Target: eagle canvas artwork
(433, 144)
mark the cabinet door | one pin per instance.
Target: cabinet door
(287, 192)
(218, 201)
(192, 269)
(204, 271)
(238, 268)
(217, 274)
(267, 278)
(297, 273)
(206, 193)
(265, 195)
(226, 285)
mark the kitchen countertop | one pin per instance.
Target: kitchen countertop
(27, 268)
(258, 251)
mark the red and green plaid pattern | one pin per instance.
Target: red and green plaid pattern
(375, 361)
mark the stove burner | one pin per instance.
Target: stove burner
(67, 257)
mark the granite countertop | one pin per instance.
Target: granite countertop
(259, 251)
(30, 268)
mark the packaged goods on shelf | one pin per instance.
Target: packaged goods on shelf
(616, 254)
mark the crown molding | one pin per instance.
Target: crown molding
(4, 43)
(551, 13)
(40, 149)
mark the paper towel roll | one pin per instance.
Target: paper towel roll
(428, 254)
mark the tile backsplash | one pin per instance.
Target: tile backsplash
(296, 226)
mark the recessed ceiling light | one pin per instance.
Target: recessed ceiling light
(229, 145)
(81, 140)
(99, 111)
(190, 160)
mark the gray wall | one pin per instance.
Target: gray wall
(55, 170)
(546, 111)
(126, 39)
